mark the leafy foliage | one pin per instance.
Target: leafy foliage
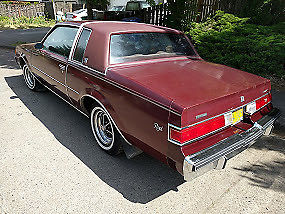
(24, 22)
(264, 12)
(178, 12)
(230, 40)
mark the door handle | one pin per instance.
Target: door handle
(61, 67)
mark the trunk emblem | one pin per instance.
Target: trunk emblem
(241, 98)
(201, 115)
(157, 127)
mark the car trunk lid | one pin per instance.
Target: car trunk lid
(198, 89)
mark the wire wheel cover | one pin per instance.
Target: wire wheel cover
(103, 129)
(29, 78)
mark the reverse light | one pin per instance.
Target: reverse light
(250, 108)
(258, 104)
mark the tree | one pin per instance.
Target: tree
(96, 4)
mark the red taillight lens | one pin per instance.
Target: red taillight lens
(263, 101)
(197, 130)
(74, 16)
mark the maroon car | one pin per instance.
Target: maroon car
(145, 88)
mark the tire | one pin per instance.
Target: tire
(31, 82)
(105, 132)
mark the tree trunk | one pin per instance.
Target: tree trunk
(89, 6)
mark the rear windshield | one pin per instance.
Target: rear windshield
(133, 6)
(143, 46)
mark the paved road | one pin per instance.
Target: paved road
(50, 164)
(10, 37)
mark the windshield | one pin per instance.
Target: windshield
(145, 5)
(143, 46)
(133, 6)
(117, 8)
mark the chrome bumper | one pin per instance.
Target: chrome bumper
(216, 156)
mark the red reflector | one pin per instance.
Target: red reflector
(263, 101)
(197, 130)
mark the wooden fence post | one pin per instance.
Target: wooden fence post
(199, 10)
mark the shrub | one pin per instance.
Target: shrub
(264, 12)
(24, 22)
(232, 41)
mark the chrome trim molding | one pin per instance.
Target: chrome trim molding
(72, 89)
(87, 95)
(55, 79)
(203, 136)
(76, 40)
(86, 67)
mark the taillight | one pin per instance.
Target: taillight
(74, 16)
(190, 133)
(258, 104)
(263, 101)
(203, 129)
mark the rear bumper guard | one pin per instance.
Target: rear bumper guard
(216, 156)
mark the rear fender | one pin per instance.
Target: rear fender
(101, 101)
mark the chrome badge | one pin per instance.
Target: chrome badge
(241, 98)
(157, 127)
(201, 115)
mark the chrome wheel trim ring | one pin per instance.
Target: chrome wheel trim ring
(102, 128)
(29, 77)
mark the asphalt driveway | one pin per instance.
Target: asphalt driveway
(9, 38)
(49, 163)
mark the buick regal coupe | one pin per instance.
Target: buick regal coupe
(145, 88)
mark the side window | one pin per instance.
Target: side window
(60, 40)
(81, 45)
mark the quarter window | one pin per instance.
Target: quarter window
(60, 40)
(81, 45)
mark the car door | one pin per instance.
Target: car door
(51, 60)
(76, 65)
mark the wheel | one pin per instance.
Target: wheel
(30, 80)
(105, 132)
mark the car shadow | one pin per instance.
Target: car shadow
(7, 60)
(139, 180)
(269, 175)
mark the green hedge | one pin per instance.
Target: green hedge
(230, 40)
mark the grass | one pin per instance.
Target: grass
(24, 22)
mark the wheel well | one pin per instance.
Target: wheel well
(21, 62)
(88, 104)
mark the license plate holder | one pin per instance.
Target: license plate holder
(237, 115)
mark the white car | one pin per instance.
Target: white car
(81, 14)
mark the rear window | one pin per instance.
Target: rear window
(143, 46)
